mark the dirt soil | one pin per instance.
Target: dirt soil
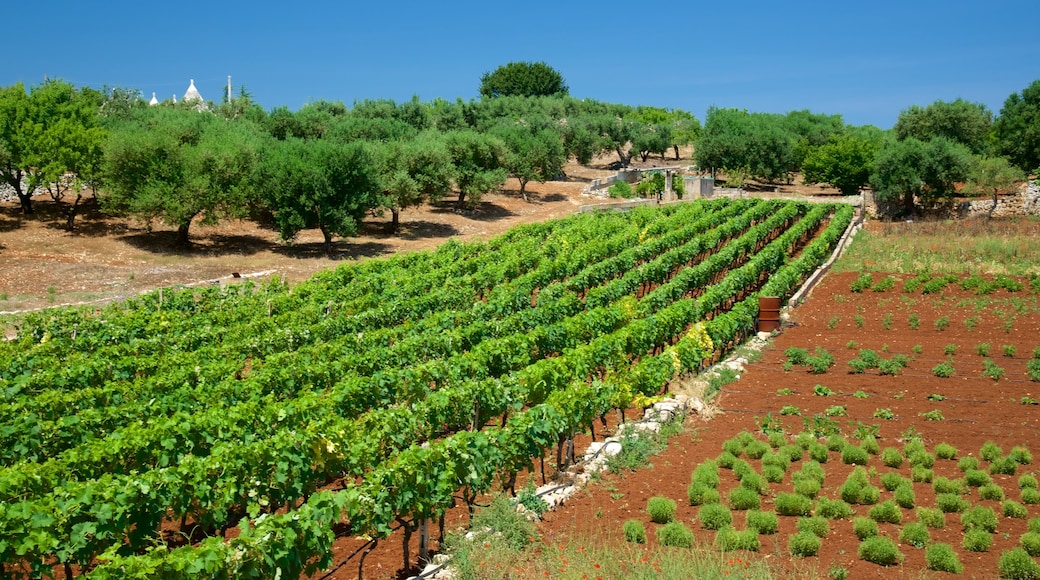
(976, 409)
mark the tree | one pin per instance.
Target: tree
(178, 164)
(319, 184)
(959, 121)
(479, 161)
(909, 169)
(527, 79)
(1017, 130)
(734, 138)
(533, 153)
(413, 172)
(844, 162)
(994, 175)
(45, 134)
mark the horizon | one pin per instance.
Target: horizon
(757, 56)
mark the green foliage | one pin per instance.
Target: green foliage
(853, 455)
(980, 517)
(741, 498)
(804, 544)
(977, 478)
(844, 162)
(1027, 481)
(728, 539)
(661, 509)
(756, 449)
(864, 528)
(479, 161)
(942, 558)
(523, 79)
(967, 463)
(991, 491)
(906, 169)
(915, 534)
(1003, 465)
(932, 517)
(950, 503)
(886, 512)
(773, 473)
(921, 474)
(1031, 496)
(944, 370)
(634, 531)
(862, 282)
(891, 457)
(818, 452)
(815, 525)
(621, 189)
(870, 445)
(676, 535)
(533, 153)
(1017, 564)
(1020, 455)
(1015, 130)
(699, 494)
(792, 504)
(763, 522)
(1030, 542)
(944, 485)
(977, 540)
(733, 138)
(833, 509)
(714, 516)
(706, 473)
(905, 496)
(881, 551)
(892, 480)
(945, 451)
(807, 487)
(1013, 509)
(959, 121)
(990, 451)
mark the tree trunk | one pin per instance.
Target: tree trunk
(70, 214)
(523, 189)
(625, 158)
(993, 208)
(327, 235)
(676, 147)
(908, 203)
(462, 197)
(395, 219)
(182, 233)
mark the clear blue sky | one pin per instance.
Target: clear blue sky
(864, 60)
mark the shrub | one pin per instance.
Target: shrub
(714, 516)
(942, 558)
(1021, 455)
(931, 517)
(892, 480)
(1031, 543)
(833, 509)
(776, 439)
(742, 469)
(880, 551)
(700, 494)
(726, 460)
(980, 518)
(944, 370)
(763, 522)
(835, 443)
(1013, 509)
(810, 470)
(990, 451)
(808, 487)
(864, 528)
(675, 534)
(853, 455)
(1033, 525)
(661, 509)
(1003, 465)
(905, 497)
(950, 503)
(734, 447)
(621, 189)
(742, 498)
(634, 531)
(921, 459)
(706, 473)
(915, 534)
(1027, 481)
(814, 525)
(891, 457)
(977, 540)
(1017, 564)
(982, 349)
(792, 504)
(944, 485)
(977, 478)
(728, 539)
(791, 452)
(1030, 496)
(818, 452)
(945, 451)
(967, 463)
(804, 544)
(886, 512)
(921, 474)
(870, 445)
(754, 482)
(773, 474)
(991, 491)
(804, 440)
(756, 449)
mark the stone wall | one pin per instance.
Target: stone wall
(1025, 203)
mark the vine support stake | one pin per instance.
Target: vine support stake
(424, 541)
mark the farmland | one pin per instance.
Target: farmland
(232, 431)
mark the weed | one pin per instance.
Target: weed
(851, 344)
(982, 349)
(914, 321)
(971, 322)
(860, 395)
(942, 323)
(862, 282)
(1009, 350)
(933, 415)
(917, 349)
(832, 322)
(634, 531)
(935, 397)
(886, 321)
(950, 349)
(859, 320)
(885, 414)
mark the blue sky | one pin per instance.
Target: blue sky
(864, 60)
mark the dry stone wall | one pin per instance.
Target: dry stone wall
(1025, 203)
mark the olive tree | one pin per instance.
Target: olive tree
(527, 79)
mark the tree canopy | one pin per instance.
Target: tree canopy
(1017, 130)
(844, 162)
(910, 169)
(959, 121)
(524, 79)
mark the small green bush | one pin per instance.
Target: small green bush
(1021, 455)
(763, 522)
(728, 539)
(944, 485)
(810, 488)
(726, 460)
(742, 468)
(804, 544)
(864, 528)
(1027, 481)
(734, 447)
(634, 531)
(886, 512)
(977, 478)
(932, 517)
(945, 451)
(814, 525)
(621, 189)
(714, 516)
(950, 503)
(756, 449)
(773, 474)
(1013, 509)
(661, 509)
(915, 534)
(891, 457)
(675, 534)
(810, 470)
(853, 455)
(792, 452)
(991, 491)
(990, 451)
(777, 460)
(833, 509)
(755, 483)
(1033, 525)
(699, 494)
(904, 496)
(835, 443)
(1030, 496)
(706, 473)
(792, 504)
(921, 474)
(921, 459)
(980, 518)
(943, 558)
(967, 463)
(892, 480)
(977, 540)
(1017, 564)
(742, 499)
(870, 445)
(1003, 466)
(1030, 541)
(880, 551)
(818, 452)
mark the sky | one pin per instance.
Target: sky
(866, 61)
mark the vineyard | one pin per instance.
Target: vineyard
(236, 431)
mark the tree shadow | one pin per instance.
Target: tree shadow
(419, 229)
(165, 242)
(485, 211)
(10, 219)
(342, 249)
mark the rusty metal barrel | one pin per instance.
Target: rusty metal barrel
(768, 313)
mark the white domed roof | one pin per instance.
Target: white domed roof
(192, 94)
